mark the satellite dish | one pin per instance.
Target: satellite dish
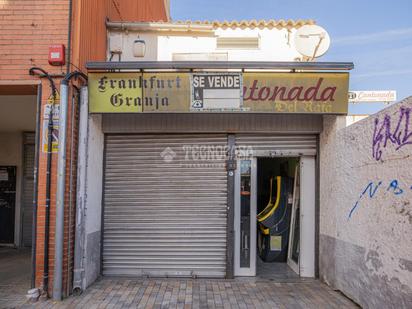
(312, 41)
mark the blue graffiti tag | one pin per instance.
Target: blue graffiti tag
(395, 187)
(371, 190)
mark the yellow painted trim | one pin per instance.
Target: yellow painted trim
(265, 231)
(275, 206)
(270, 203)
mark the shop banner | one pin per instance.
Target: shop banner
(115, 93)
(312, 93)
(138, 92)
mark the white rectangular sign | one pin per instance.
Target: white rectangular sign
(56, 111)
(372, 96)
(216, 91)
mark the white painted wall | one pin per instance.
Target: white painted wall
(351, 119)
(275, 44)
(365, 222)
(93, 202)
(11, 154)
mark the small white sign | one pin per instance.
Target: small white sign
(372, 96)
(4, 175)
(56, 111)
(216, 91)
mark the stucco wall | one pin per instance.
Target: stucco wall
(275, 44)
(93, 205)
(366, 207)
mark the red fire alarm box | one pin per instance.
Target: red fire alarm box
(56, 55)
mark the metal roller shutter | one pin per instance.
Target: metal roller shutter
(278, 145)
(27, 196)
(165, 208)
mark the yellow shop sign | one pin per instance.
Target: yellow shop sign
(314, 93)
(138, 92)
(278, 92)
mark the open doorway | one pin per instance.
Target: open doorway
(277, 226)
(274, 217)
(17, 152)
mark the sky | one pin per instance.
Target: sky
(374, 34)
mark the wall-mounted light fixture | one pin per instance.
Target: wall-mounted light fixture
(139, 48)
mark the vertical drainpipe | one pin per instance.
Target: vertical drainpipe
(79, 242)
(35, 189)
(72, 121)
(34, 71)
(61, 181)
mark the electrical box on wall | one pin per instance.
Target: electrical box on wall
(56, 55)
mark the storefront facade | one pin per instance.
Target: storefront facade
(165, 174)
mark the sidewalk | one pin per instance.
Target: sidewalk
(109, 292)
(14, 276)
(203, 293)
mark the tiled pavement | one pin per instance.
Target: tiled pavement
(14, 276)
(202, 293)
(291, 292)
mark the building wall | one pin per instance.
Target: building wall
(351, 119)
(93, 202)
(275, 43)
(27, 30)
(11, 154)
(138, 10)
(365, 207)
(17, 115)
(28, 27)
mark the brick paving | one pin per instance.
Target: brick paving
(109, 292)
(202, 293)
(14, 276)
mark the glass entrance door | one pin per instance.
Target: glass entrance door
(245, 218)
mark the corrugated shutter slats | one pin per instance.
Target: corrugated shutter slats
(28, 186)
(278, 145)
(164, 216)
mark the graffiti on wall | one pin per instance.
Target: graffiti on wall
(391, 131)
(393, 187)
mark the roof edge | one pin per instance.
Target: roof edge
(221, 65)
(209, 25)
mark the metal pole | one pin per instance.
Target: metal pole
(35, 189)
(48, 193)
(230, 167)
(61, 181)
(33, 71)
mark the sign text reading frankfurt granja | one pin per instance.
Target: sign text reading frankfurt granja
(253, 92)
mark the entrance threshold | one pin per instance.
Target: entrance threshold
(280, 272)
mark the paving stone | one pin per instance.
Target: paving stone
(107, 292)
